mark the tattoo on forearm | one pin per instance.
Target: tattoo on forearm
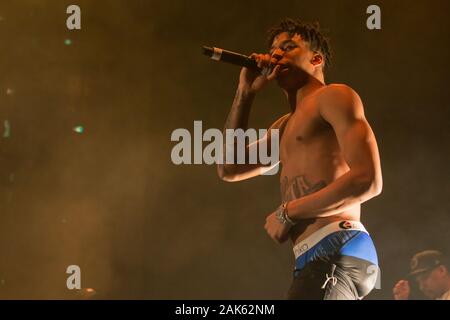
(238, 116)
(298, 187)
(240, 111)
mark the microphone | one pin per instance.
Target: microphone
(231, 57)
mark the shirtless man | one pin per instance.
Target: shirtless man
(330, 165)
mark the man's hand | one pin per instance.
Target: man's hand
(401, 290)
(277, 230)
(253, 81)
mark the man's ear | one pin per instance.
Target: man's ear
(317, 59)
(442, 270)
(445, 270)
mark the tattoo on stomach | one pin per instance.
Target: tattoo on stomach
(298, 187)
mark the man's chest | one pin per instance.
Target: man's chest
(305, 127)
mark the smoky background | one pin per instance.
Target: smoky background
(110, 200)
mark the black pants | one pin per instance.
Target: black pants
(339, 278)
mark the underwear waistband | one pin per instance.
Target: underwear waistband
(306, 244)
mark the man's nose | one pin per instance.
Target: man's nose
(277, 54)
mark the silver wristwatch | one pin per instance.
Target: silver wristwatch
(282, 216)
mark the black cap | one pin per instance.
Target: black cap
(425, 261)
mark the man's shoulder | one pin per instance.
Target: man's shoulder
(339, 98)
(337, 90)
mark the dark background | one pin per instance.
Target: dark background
(111, 201)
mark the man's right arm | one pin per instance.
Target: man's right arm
(250, 82)
(238, 119)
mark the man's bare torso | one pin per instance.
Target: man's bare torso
(311, 159)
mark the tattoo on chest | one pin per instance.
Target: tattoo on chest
(298, 187)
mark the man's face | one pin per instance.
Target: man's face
(431, 282)
(295, 59)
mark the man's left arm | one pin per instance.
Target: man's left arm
(342, 108)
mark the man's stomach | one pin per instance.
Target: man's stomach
(319, 174)
(304, 228)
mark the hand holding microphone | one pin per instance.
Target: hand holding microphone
(254, 81)
(257, 71)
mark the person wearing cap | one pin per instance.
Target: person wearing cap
(431, 270)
